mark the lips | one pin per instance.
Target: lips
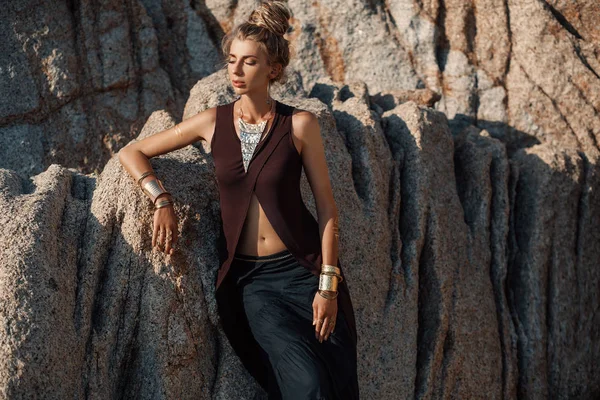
(238, 83)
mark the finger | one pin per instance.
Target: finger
(330, 327)
(154, 235)
(332, 320)
(318, 326)
(163, 240)
(160, 238)
(173, 236)
(326, 328)
(323, 330)
(168, 239)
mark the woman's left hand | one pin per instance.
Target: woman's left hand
(324, 314)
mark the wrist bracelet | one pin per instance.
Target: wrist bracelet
(328, 282)
(328, 296)
(330, 277)
(163, 203)
(154, 188)
(145, 174)
(333, 270)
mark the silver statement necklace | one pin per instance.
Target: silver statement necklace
(250, 135)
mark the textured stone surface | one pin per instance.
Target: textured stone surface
(80, 79)
(554, 279)
(87, 310)
(473, 275)
(469, 230)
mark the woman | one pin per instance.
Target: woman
(280, 271)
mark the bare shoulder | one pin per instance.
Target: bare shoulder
(203, 123)
(305, 130)
(303, 123)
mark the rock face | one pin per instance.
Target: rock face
(483, 269)
(81, 78)
(469, 229)
(88, 311)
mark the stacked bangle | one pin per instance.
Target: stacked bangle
(327, 295)
(162, 203)
(153, 189)
(145, 174)
(328, 281)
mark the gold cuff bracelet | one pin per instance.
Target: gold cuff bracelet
(328, 282)
(333, 270)
(154, 188)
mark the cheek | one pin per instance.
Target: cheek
(250, 73)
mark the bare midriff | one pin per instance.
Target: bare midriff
(258, 236)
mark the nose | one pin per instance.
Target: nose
(237, 68)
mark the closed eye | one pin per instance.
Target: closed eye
(250, 63)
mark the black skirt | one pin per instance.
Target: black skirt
(266, 310)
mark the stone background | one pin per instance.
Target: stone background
(462, 144)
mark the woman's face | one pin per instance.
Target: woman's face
(248, 65)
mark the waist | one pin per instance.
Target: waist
(269, 257)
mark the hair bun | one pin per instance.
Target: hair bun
(273, 16)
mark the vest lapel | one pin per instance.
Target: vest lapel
(261, 154)
(265, 142)
(265, 148)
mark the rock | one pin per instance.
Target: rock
(87, 308)
(82, 79)
(469, 230)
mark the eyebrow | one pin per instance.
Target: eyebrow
(249, 55)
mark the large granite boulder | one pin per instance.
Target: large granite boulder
(473, 275)
(80, 79)
(462, 144)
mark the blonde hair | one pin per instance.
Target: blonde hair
(266, 25)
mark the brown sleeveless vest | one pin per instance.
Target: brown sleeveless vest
(274, 176)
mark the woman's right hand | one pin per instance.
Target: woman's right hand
(164, 235)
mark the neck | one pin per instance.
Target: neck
(255, 108)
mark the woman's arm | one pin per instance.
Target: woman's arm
(305, 127)
(135, 155)
(135, 158)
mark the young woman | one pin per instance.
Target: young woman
(280, 280)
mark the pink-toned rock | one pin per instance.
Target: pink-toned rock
(81, 80)
(469, 230)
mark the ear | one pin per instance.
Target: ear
(275, 70)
